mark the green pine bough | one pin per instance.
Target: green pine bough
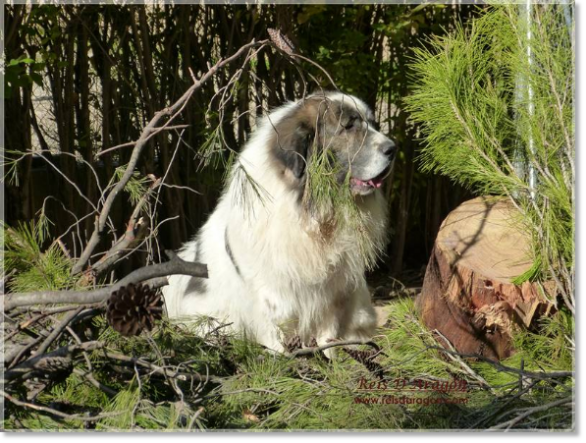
(495, 104)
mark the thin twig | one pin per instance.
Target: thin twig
(14, 354)
(456, 357)
(31, 321)
(129, 237)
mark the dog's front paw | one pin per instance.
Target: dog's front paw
(330, 353)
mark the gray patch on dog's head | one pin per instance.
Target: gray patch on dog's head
(294, 136)
(339, 123)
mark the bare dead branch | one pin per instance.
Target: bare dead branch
(457, 358)
(27, 323)
(524, 413)
(16, 352)
(130, 144)
(150, 129)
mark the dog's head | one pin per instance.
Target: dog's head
(340, 127)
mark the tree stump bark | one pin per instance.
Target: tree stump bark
(468, 297)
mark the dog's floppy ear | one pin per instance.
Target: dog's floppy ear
(292, 145)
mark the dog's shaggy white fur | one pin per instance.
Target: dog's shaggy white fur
(272, 270)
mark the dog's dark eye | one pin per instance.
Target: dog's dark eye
(350, 123)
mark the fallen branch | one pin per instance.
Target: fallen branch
(31, 321)
(13, 356)
(508, 400)
(173, 267)
(16, 352)
(457, 358)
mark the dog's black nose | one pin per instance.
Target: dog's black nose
(389, 149)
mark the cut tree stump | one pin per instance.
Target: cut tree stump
(467, 294)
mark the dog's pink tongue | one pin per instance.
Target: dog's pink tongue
(372, 182)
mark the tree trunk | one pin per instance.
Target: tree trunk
(468, 293)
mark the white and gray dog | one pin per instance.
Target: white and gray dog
(275, 267)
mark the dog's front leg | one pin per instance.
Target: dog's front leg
(266, 333)
(360, 318)
(272, 321)
(329, 332)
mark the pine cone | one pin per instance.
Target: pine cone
(133, 308)
(293, 343)
(366, 358)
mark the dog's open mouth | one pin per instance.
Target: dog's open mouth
(370, 184)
